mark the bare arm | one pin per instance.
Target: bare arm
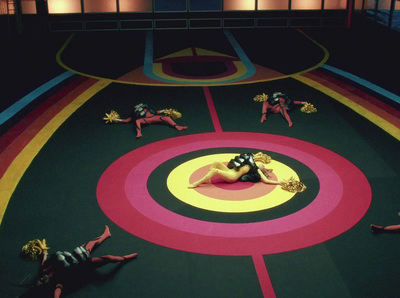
(45, 255)
(264, 111)
(266, 180)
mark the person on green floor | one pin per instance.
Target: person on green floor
(390, 228)
(143, 115)
(280, 103)
(65, 267)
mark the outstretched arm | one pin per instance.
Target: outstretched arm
(45, 256)
(266, 180)
(264, 111)
(297, 102)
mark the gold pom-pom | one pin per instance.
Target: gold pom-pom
(111, 117)
(34, 248)
(308, 108)
(293, 185)
(261, 97)
(174, 114)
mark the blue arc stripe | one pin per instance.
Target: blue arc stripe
(148, 62)
(27, 99)
(364, 83)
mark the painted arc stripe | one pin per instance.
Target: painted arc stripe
(241, 54)
(20, 164)
(14, 140)
(278, 235)
(27, 99)
(135, 188)
(380, 122)
(363, 82)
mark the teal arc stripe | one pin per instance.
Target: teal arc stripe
(12, 110)
(364, 83)
(148, 62)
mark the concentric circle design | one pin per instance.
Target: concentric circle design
(251, 196)
(343, 199)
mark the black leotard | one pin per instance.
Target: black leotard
(242, 160)
(274, 100)
(140, 111)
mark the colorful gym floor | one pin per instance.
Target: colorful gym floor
(65, 173)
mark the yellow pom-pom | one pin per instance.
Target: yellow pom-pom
(261, 97)
(111, 117)
(293, 185)
(174, 114)
(308, 108)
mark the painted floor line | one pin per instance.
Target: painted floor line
(27, 99)
(363, 82)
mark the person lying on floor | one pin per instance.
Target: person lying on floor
(244, 168)
(391, 228)
(144, 115)
(280, 103)
(64, 267)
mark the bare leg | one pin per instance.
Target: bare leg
(91, 245)
(101, 261)
(210, 174)
(205, 179)
(168, 120)
(58, 290)
(219, 165)
(139, 123)
(286, 115)
(392, 228)
(222, 171)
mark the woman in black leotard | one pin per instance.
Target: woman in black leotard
(278, 103)
(143, 114)
(64, 266)
(241, 168)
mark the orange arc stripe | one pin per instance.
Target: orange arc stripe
(17, 145)
(382, 113)
(21, 162)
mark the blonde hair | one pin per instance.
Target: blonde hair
(262, 157)
(34, 248)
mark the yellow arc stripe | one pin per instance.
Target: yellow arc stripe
(379, 121)
(19, 165)
(187, 83)
(62, 64)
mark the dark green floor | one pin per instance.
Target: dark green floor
(56, 198)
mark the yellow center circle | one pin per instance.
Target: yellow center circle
(267, 196)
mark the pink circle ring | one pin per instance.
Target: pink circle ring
(343, 199)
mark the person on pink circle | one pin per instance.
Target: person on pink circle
(144, 115)
(280, 103)
(390, 228)
(243, 168)
(64, 267)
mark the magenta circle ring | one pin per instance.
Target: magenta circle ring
(343, 199)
